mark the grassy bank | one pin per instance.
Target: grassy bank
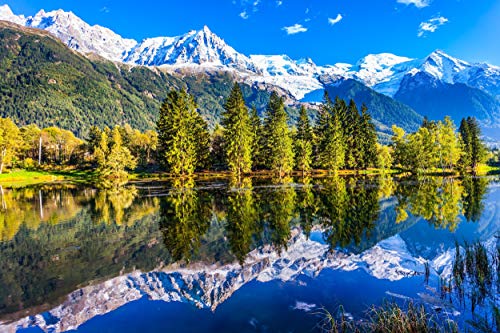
(19, 178)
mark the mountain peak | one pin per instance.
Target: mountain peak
(6, 14)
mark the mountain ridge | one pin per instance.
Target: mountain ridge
(382, 72)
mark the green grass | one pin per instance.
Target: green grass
(389, 317)
(20, 178)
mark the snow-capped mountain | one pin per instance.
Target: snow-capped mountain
(203, 49)
(74, 32)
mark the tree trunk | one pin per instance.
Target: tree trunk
(4, 152)
(4, 204)
(40, 151)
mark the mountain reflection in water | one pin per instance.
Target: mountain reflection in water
(199, 242)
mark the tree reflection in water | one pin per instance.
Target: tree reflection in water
(441, 200)
(182, 221)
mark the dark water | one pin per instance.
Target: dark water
(221, 256)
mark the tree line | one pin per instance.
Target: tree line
(343, 137)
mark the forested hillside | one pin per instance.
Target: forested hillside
(45, 83)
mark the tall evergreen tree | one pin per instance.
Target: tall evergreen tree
(238, 134)
(465, 138)
(278, 147)
(367, 140)
(258, 138)
(201, 138)
(303, 142)
(474, 149)
(331, 145)
(351, 125)
(181, 132)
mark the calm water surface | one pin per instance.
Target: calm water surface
(258, 255)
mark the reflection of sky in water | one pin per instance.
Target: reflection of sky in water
(387, 263)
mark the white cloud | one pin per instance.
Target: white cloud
(279, 3)
(417, 3)
(333, 21)
(104, 10)
(244, 15)
(294, 29)
(431, 25)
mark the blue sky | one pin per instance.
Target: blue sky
(328, 31)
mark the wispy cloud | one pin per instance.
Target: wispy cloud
(294, 29)
(431, 25)
(104, 10)
(333, 21)
(244, 15)
(416, 3)
(247, 7)
(279, 3)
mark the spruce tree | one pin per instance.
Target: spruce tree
(351, 125)
(478, 149)
(303, 142)
(238, 135)
(331, 145)
(474, 149)
(325, 113)
(201, 138)
(367, 140)
(278, 148)
(257, 140)
(180, 134)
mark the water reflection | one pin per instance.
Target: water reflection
(441, 201)
(54, 239)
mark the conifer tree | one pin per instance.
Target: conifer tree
(303, 142)
(367, 140)
(257, 139)
(181, 134)
(201, 138)
(465, 139)
(331, 144)
(321, 126)
(238, 136)
(473, 147)
(278, 149)
(351, 125)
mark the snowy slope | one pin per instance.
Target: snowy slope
(204, 50)
(79, 35)
(194, 48)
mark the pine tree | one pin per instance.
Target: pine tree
(278, 148)
(238, 136)
(201, 138)
(474, 149)
(181, 134)
(478, 149)
(351, 125)
(331, 145)
(367, 140)
(257, 140)
(303, 142)
(466, 139)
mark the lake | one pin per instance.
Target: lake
(254, 255)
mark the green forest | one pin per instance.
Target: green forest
(342, 138)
